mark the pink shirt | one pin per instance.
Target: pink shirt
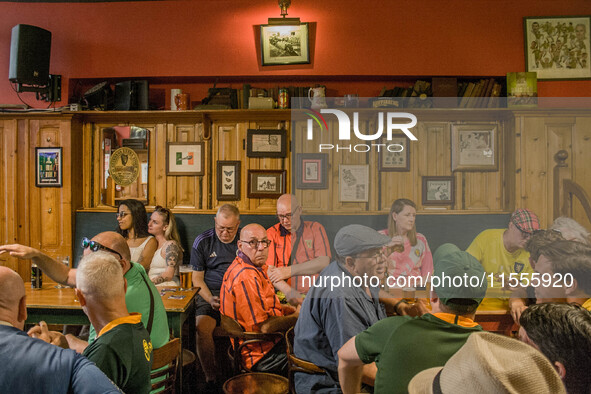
(413, 261)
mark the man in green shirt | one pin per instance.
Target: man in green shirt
(402, 346)
(122, 349)
(141, 295)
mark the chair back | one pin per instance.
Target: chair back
(165, 366)
(256, 382)
(240, 339)
(296, 364)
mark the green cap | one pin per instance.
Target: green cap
(450, 263)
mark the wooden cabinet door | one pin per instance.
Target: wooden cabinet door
(50, 208)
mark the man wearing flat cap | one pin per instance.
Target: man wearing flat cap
(342, 302)
(502, 251)
(402, 346)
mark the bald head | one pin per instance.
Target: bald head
(288, 212)
(254, 232)
(114, 241)
(12, 293)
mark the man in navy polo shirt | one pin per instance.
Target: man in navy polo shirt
(212, 253)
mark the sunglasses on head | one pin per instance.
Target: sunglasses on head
(95, 247)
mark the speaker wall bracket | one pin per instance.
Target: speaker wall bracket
(52, 92)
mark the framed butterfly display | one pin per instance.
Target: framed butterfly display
(228, 180)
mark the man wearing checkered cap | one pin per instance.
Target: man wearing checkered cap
(502, 251)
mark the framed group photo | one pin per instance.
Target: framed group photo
(354, 183)
(266, 183)
(311, 170)
(185, 158)
(557, 47)
(438, 190)
(397, 158)
(48, 167)
(228, 180)
(474, 147)
(284, 44)
(266, 143)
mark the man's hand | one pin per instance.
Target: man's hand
(20, 251)
(277, 274)
(516, 307)
(42, 332)
(215, 302)
(294, 297)
(417, 309)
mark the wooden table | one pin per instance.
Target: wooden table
(60, 306)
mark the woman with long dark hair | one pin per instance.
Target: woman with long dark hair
(164, 269)
(412, 256)
(133, 226)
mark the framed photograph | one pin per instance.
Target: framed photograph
(353, 183)
(266, 183)
(395, 156)
(48, 167)
(266, 143)
(474, 147)
(284, 44)
(438, 190)
(185, 158)
(311, 170)
(228, 180)
(557, 47)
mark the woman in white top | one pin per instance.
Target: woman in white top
(133, 225)
(164, 269)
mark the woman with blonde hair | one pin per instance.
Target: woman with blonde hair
(164, 269)
(412, 256)
(132, 222)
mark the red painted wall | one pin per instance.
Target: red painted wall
(218, 38)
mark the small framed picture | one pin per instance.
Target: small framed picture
(185, 158)
(266, 143)
(395, 155)
(474, 147)
(266, 183)
(557, 47)
(228, 180)
(438, 190)
(48, 167)
(311, 171)
(284, 44)
(354, 183)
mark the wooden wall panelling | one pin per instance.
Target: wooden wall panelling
(483, 190)
(433, 158)
(559, 134)
(26, 166)
(157, 166)
(88, 135)
(9, 176)
(268, 205)
(50, 207)
(581, 158)
(508, 159)
(534, 181)
(227, 144)
(311, 200)
(342, 157)
(186, 192)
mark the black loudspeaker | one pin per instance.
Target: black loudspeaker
(30, 47)
(131, 96)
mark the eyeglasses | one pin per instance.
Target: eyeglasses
(95, 247)
(379, 254)
(256, 243)
(226, 229)
(121, 215)
(283, 217)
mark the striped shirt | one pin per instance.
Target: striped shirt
(313, 243)
(248, 297)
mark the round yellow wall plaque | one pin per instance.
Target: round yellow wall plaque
(124, 166)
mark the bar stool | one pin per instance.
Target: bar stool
(256, 383)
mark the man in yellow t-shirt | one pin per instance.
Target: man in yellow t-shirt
(502, 251)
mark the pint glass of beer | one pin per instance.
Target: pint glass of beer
(186, 274)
